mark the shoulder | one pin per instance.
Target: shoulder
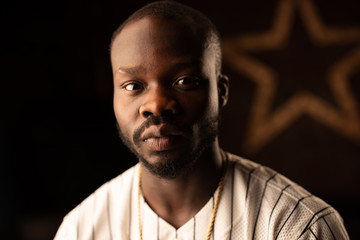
(97, 209)
(258, 177)
(279, 205)
(105, 193)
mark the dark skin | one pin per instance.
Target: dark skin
(160, 67)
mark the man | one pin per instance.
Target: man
(168, 95)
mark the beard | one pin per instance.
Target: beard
(168, 168)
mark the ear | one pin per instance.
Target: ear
(223, 89)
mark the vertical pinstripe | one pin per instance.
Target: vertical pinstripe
(93, 223)
(77, 230)
(248, 183)
(277, 201)
(332, 233)
(130, 212)
(194, 228)
(297, 204)
(232, 199)
(313, 233)
(158, 227)
(261, 201)
(108, 213)
(130, 202)
(308, 224)
(142, 214)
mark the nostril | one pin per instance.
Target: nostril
(167, 113)
(147, 114)
(158, 105)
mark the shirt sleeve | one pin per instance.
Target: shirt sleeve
(68, 228)
(329, 226)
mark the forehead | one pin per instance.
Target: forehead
(152, 37)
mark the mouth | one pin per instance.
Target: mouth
(162, 137)
(161, 143)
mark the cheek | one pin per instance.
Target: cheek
(202, 104)
(125, 113)
(212, 101)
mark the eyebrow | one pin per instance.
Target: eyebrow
(181, 65)
(133, 70)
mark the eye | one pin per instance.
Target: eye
(132, 87)
(187, 83)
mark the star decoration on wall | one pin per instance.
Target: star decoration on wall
(264, 124)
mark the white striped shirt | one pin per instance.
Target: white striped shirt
(256, 203)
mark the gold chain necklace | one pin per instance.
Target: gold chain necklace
(220, 187)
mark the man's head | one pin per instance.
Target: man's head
(202, 27)
(168, 89)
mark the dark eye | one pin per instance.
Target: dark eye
(187, 83)
(132, 86)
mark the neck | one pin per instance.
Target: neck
(178, 200)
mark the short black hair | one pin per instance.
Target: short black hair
(167, 9)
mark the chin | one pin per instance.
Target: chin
(168, 164)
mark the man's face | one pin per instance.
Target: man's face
(165, 94)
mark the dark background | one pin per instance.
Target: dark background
(58, 140)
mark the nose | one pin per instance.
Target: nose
(158, 102)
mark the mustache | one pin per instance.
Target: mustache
(157, 120)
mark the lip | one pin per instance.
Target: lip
(160, 143)
(162, 137)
